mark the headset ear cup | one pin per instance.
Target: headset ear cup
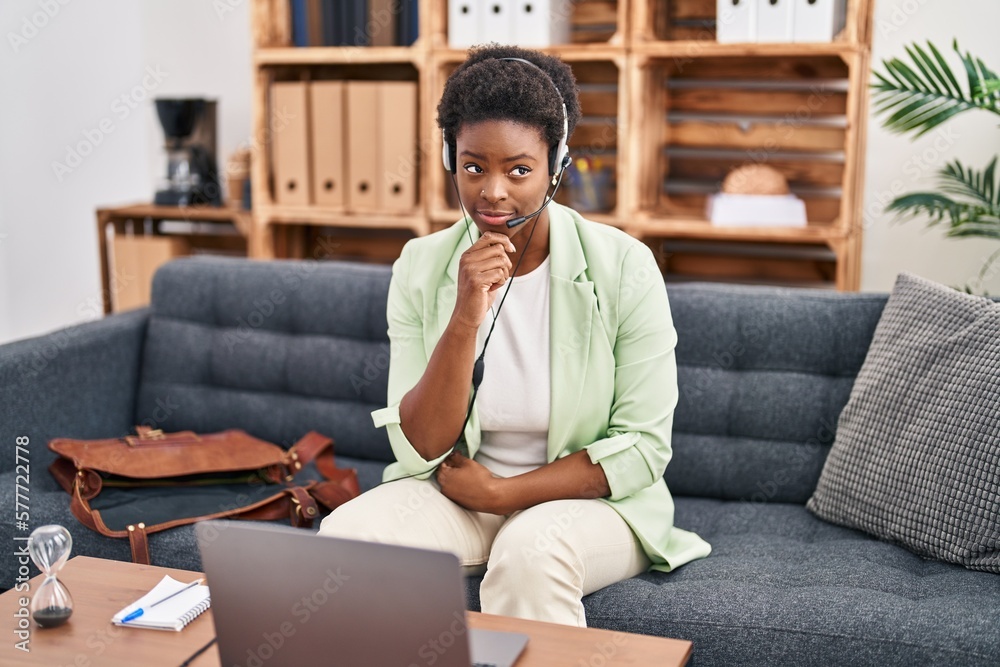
(448, 157)
(558, 158)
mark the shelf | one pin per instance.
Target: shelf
(567, 52)
(693, 228)
(668, 109)
(448, 217)
(192, 213)
(707, 49)
(290, 215)
(338, 55)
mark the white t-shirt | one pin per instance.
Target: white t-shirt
(513, 401)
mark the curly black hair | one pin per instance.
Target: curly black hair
(485, 88)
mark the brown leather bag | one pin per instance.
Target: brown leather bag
(174, 479)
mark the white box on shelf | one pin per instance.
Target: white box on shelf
(736, 21)
(542, 22)
(463, 22)
(496, 21)
(818, 20)
(727, 210)
(774, 20)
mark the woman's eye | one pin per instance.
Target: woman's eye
(522, 170)
(473, 169)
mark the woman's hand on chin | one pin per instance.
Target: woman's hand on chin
(471, 485)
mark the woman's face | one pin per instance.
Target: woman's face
(503, 173)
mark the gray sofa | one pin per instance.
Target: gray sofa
(281, 348)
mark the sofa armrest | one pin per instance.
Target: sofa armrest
(77, 382)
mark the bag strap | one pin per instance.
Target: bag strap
(334, 493)
(298, 503)
(139, 543)
(312, 446)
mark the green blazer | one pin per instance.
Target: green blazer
(613, 373)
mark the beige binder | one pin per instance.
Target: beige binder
(289, 126)
(134, 260)
(329, 150)
(363, 169)
(398, 145)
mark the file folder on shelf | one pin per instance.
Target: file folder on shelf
(541, 22)
(774, 20)
(300, 22)
(818, 20)
(289, 124)
(314, 14)
(326, 101)
(363, 168)
(736, 21)
(463, 22)
(397, 135)
(134, 260)
(382, 18)
(409, 22)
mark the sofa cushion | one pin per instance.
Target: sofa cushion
(763, 373)
(782, 587)
(917, 453)
(785, 588)
(277, 348)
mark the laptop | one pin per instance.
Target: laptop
(284, 596)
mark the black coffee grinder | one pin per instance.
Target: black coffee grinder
(192, 169)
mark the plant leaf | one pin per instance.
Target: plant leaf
(957, 90)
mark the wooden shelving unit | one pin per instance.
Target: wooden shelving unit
(669, 108)
(230, 231)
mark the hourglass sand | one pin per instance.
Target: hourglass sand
(49, 546)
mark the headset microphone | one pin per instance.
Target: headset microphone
(548, 200)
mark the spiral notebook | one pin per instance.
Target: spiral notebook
(172, 614)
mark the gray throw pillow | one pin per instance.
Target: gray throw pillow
(916, 459)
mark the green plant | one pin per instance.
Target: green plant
(917, 98)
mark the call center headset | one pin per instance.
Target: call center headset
(559, 157)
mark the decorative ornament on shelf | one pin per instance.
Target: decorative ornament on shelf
(755, 179)
(755, 195)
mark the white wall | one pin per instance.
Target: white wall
(68, 78)
(70, 74)
(64, 80)
(896, 164)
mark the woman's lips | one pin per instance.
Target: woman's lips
(494, 217)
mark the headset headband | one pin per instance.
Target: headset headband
(558, 156)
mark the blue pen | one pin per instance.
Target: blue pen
(138, 612)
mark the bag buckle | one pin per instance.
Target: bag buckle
(294, 463)
(311, 511)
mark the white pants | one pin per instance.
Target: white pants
(539, 562)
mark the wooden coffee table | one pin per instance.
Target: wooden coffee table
(102, 587)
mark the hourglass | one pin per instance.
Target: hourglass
(49, 546)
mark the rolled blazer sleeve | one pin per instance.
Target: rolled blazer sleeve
(637, 449)
(407, 363)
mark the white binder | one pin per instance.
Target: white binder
(774, 20)
(543, 22)
(818, 20)
(463, 22)
(736, 21)
(496, 21)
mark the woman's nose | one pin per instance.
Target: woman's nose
(495, 190)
